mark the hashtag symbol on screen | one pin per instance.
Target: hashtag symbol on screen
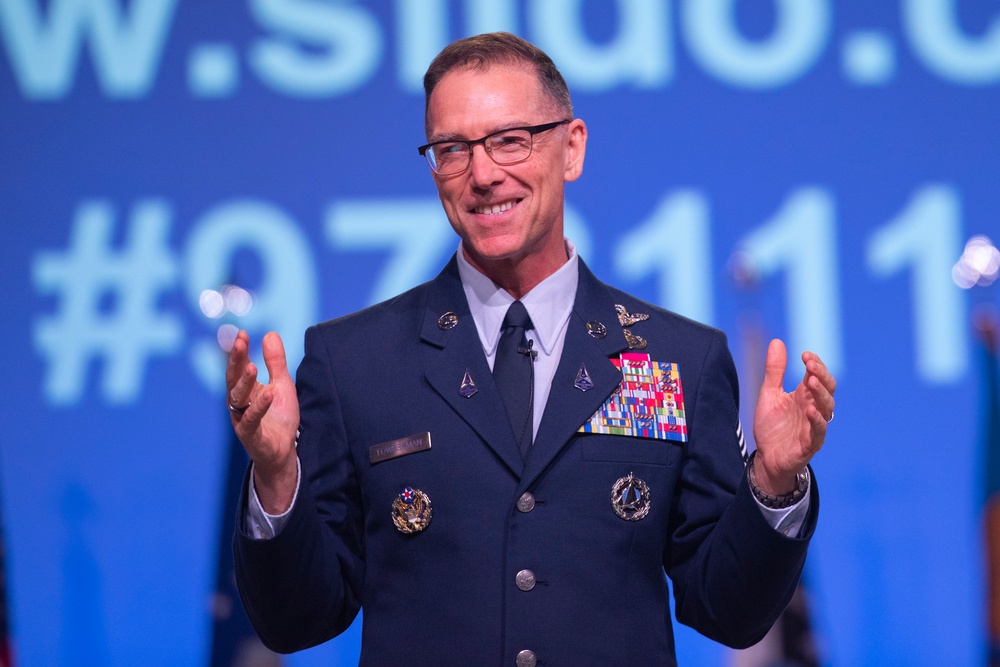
(107, 302)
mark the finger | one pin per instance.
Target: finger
(774, 365)
(822, 398)
(274, 357)
(818, 424)
(815, 366)
(248, 427)
(239, 354)
(240, 393)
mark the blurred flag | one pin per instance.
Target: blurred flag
(234, 642)
(5, 650)
(990, 411)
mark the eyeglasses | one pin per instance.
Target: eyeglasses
(505, 147)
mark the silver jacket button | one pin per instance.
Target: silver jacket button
(526, 658)
(526, 502)
(525, 580)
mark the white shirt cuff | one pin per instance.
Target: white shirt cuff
(788, 520)
(259, 524)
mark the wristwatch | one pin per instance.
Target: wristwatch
(784, 500)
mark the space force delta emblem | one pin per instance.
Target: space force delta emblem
(649, 403)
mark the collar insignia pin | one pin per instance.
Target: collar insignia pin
(468, 388)
(596, 329)
(447, 321)
(583, 381)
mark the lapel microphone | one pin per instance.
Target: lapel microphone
(527, 351)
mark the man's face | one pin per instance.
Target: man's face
(505, 214)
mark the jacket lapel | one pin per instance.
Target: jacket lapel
(459, 350)
(569, 407)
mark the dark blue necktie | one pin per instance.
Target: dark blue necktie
(513, 370)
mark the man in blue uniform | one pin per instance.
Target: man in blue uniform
(548, 446)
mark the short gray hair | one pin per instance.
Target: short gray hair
(498, 49)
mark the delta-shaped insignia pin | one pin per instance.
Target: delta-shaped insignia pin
(411, 511)
(583, 381)
(630, 498)
(468, 388)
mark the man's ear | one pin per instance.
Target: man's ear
(576, 148)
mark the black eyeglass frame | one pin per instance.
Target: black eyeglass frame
(532, 130)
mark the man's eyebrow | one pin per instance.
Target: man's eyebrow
(451, 136)
(457, 136)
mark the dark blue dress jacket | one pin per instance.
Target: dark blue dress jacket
(447, 595)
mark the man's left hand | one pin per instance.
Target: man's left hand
(790, 428)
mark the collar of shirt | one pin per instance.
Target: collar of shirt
(549, 303)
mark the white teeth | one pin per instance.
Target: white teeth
(496, 208)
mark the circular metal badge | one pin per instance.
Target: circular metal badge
(448, 321)
(596, 329)
(411, 511)
(630, 498)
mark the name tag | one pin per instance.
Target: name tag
(649, 403)
(400, 447)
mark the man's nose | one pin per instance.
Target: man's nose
(482, 169)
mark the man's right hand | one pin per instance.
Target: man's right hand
(265, 418)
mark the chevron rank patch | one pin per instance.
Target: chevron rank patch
(741, 439)
(649, 403)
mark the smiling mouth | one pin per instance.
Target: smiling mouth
(495, 208)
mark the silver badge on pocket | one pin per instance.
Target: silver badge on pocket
(630, 498)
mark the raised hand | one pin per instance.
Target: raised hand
(790, 428)
(265, 418)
